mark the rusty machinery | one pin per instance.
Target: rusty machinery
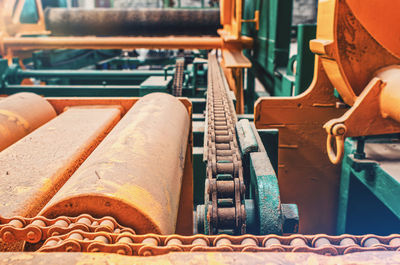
(119, 178)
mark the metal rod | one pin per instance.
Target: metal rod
(77, 90)
(97, 74)
(23, 43)
(132, 21)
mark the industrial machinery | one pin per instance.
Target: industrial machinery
(142, 135)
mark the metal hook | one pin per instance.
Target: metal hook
(338, 131)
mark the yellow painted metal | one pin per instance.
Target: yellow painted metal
(10, 45)
(355, 40)
(21, 114)
(381, 19)
(10, 11)
(235, 59)
(231, 19)
(390, 93)
(135, 174)
(349, 53)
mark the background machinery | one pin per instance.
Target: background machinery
(197, 134)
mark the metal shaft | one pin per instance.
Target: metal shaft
(132, 22)
(390, 93)
(24, 43)
(34, 168)
(92, 74)
(20, 114)
(135, 174)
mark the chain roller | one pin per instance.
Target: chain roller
(225, 189)
(34, 230)
(178, 78)
(87, 234)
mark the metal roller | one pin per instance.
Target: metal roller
(135, 174)
(137, 22)
(20, 114)
(34, 168)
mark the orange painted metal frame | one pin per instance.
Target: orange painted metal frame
(305, 175)
(11, 11)
(354, 43)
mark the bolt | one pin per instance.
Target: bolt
(340, 131)
(290, 216)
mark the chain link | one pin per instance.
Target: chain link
(224, 198)
(178, 77)
(34, 230)
(225, 189)
(87, 234)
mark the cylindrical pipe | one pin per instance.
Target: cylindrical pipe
(24, 43)
(95, 74)
(390, 93)
(132, 22)
(135, 174)
(20, 114)
(77, 90)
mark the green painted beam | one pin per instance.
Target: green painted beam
(369, 189)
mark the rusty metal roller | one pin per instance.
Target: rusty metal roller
(135, 174)
(20, 114)
(133, 22)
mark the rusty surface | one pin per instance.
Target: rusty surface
(349, 53)
(87, 234)
(34, 169)
(132, 21)
(380, 19)
(354, 43)
(224, 162)
(18, 120)
(61, 103)
(135, 174)
(178, 77)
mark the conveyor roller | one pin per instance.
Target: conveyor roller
(20, 114)
(135, 174)
(138, 22)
